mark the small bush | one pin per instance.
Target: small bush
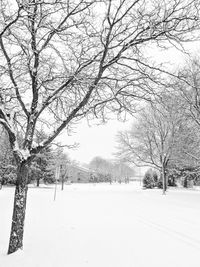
(148, 180)
(9, 175)
(155, 177)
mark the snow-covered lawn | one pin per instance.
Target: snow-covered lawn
(104, 226)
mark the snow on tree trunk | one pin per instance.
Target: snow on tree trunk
(17, 228)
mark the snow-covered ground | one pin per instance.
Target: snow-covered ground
(104, 226)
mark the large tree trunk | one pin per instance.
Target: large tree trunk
(19, 209)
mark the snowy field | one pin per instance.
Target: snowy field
(105, 226)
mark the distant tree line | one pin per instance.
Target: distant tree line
(44, 165)
(110, 171)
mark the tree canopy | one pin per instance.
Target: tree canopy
(63, 60)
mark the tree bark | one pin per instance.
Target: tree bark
(19, 209)
(164, 182)
(38, 182)
(62, 187)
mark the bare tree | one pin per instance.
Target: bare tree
(103, 168)
(99, 164)
(63, 60)
(187, 91)
(189, 88)
(154, 140)
(62, 160)
(122, 172)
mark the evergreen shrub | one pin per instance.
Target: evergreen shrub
(148, 180)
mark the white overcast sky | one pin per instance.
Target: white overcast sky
(96, 140)
(101, 140)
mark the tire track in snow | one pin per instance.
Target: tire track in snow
(191, 241)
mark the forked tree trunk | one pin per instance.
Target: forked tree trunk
(19, 209)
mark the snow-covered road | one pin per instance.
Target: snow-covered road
(105, 226)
